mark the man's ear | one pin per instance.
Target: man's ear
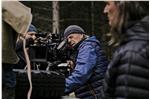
(82, 35)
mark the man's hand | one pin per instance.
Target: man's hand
(70, 64)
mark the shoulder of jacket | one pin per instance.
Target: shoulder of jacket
(89, 43)
(135, 46)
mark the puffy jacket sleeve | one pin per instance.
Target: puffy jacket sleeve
(85, 62)
(110, 77)
(127, 75)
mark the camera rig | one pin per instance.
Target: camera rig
(47, 57)
(45, 54)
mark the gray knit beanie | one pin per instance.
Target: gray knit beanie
(73, 29)
(32, 28)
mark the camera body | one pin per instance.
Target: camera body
(45, 55)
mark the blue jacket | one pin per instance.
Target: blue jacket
(91, 64)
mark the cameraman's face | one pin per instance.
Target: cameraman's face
(31, 35)
(73, 39)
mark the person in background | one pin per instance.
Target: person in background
(16, 19)
(30, 38)
(127, 76)
(89, 64)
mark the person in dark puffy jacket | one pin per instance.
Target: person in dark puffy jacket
(90, 64)
(127, 76)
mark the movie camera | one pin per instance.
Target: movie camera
(48, 57)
